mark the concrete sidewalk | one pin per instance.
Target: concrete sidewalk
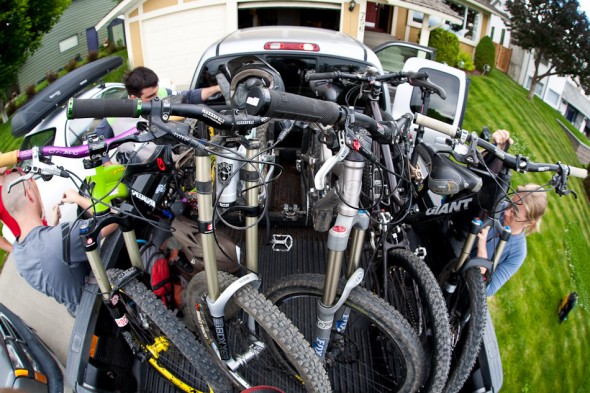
(49, 319)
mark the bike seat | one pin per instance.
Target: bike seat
(448, 178)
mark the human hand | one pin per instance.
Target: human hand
(70, 196)
(482, 236)
(55, 215)
(501, 137)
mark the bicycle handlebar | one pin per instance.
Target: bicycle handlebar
(281, 105)
(518, 163)
(14, 157)
(100, 108)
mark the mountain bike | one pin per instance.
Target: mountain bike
(394, 271)
(474, 196)
(130, 314)
(249, 338)
(365, 343)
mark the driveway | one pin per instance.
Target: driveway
(49, 319)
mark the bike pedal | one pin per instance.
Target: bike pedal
(281, 243)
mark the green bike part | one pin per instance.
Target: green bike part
(106, 185)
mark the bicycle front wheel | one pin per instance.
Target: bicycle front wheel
(266, 348)
(409, 285)
(467, 308)
(166, 343)
(377, 352)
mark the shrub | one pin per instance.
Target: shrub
(485, 53)
(111, 48)
(446, 45)
(10, 108)
(71, 66)
(51, 76)
(92, 55)
(465, 58)
(30, 91)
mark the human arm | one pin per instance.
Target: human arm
(5, 245)
(198, 96)
(511, 260)
(482, 240)
(72, 196)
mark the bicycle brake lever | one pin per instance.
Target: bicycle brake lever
(320, 177)
(19, 180)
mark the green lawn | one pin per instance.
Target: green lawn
(539, 354)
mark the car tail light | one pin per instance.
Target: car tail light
(304, 46)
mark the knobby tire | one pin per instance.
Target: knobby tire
(289, 363)
(467, 302)
(185, 358)
(413, 290)
(375, 329)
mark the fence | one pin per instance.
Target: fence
(502, 57)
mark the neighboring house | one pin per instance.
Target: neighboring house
(169, 36)
(66, 40)
(409, 20)
(560, 92)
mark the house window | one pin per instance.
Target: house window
(552, 97)
(418, 17)
(493, 32)
(468, 29)
(68, 43)
(502, 36)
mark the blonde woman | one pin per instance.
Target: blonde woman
(523, 216)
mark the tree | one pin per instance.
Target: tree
(22, 26)
(557, 34)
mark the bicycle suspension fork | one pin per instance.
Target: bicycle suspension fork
(350, 225)
(216, 301)
(110, 297)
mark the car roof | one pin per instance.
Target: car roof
(251, 41)
(57, 93)
(58, 116)
(330, 42)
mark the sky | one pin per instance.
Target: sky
(585, 6)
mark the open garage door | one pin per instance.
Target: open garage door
(324, 15)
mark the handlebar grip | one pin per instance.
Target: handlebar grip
(418, 75)
(280, 105)
(436, 125)
(105, 107)
(320, 75)
(8, 159)
(578, 172)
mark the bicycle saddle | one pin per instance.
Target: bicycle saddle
(448, 178)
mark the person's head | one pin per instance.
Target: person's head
(142, 83)
(23, 199)
(527, 207)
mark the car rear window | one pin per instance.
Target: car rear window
(291, 68)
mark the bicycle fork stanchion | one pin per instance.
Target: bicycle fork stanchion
(505, 233)
(251, 177)
(110, 297)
